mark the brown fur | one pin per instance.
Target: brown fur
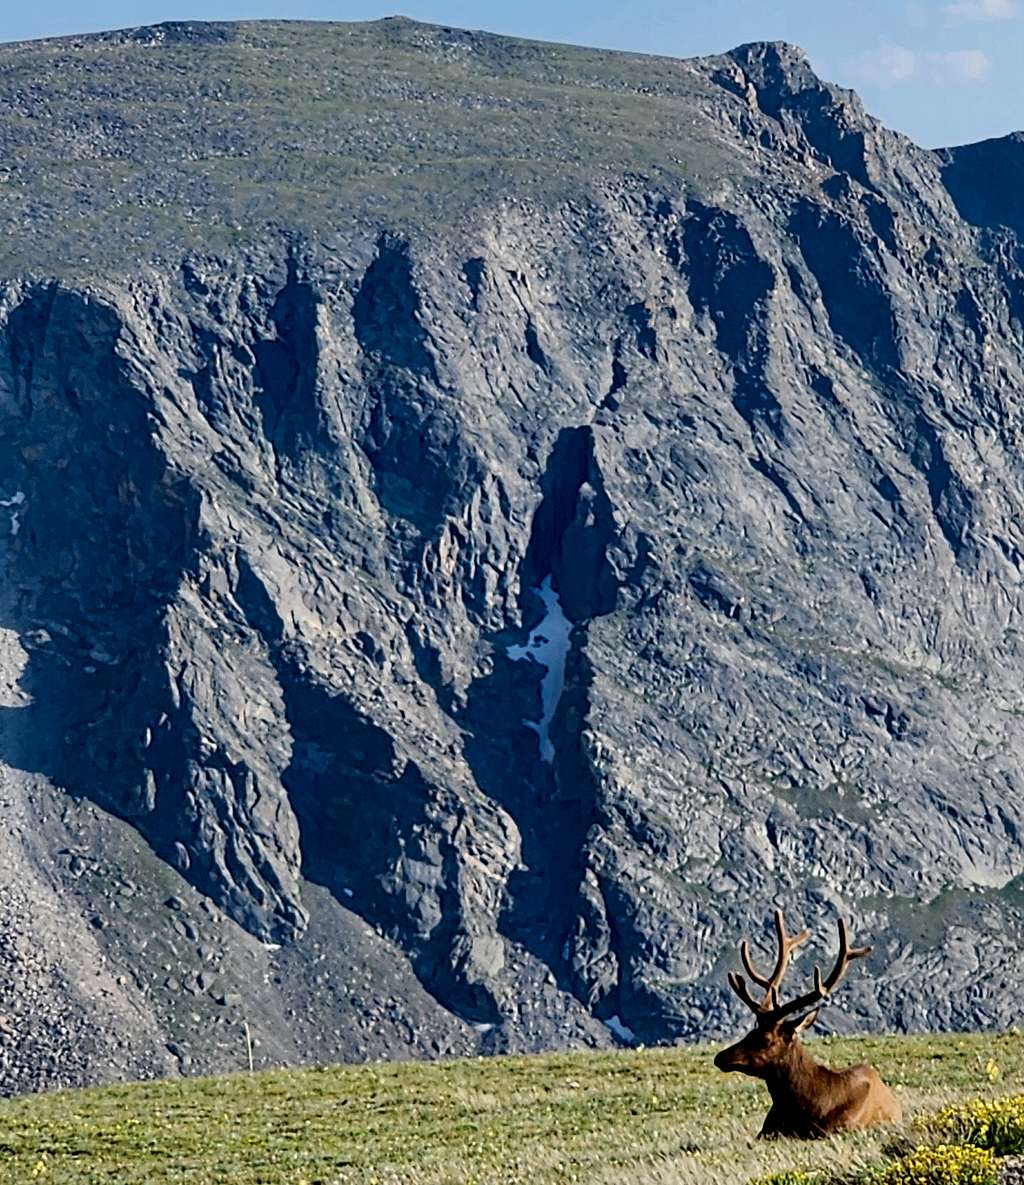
(808, 1100)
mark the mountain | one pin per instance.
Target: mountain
(485, 522)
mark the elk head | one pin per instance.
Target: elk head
(808, 1100)
(777, 1026)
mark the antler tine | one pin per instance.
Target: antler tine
(786, 947)
(762, 981)
(739, 986)
(823, 988)
(844, 958)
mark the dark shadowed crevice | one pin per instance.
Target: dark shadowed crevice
(285, 370)
(427, 661)
(856, 301)
(474, 272)
(732, 284)
(386, 310)
(534, 350)
(969, 312)
(572, 529)
(882, 219)
(952, 503)
(887, 489)
(591, 949)
(566, 472)
(639, 335)
(728, 279)
(206, 381)
(26, 342)
(554, 804)
(423, 466)
(770, 473)
(620, 377)
(638, 317)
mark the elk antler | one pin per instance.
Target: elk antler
(768, 984)
(786, 946)
(768, 1009)
(821, 989)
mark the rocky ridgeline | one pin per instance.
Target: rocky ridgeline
(283, 513)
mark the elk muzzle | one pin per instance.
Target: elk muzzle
(730, 1059)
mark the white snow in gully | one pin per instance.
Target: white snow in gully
(14, 504)
(622, 1031)
(548, 644)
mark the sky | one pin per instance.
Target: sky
(943, 71)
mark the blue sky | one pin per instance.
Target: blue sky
(943, 71)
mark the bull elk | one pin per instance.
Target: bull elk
(808, 1100)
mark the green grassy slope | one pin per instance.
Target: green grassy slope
(121, 146)
(658, 1116)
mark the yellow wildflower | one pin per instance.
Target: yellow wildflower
(997, 1124)
(943, 1164)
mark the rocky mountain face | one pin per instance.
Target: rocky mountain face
(483, 523)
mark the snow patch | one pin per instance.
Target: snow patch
(548, 644)
(271, 946)
(482, 1028)
(15, 502)
(623, 1032)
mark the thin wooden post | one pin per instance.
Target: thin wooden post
(248, 1043)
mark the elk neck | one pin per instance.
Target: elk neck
(796, 1077)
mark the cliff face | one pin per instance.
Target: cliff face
(741, 390)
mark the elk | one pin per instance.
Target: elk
(808, 1100)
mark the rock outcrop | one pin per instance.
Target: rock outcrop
(305, 397)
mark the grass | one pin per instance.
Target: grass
(657, 1117)
(313, 124)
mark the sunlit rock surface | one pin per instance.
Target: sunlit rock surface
(302, 400)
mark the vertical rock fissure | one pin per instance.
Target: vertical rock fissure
(546, 789)
(284, 372)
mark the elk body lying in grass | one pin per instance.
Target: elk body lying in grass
(808, 1100)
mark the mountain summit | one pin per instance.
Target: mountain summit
(484, 520)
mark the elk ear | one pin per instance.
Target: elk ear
(804, 1022)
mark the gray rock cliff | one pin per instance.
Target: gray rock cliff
(311, 380)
